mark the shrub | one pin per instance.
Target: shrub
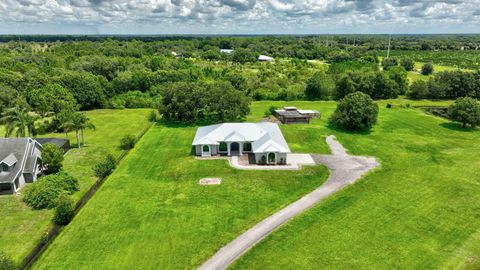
(153, 116)
(356, 111)
(106, 167)
(465, 110)
(64, 181)
(270, 111)
(387, 63)
(45, 191)
(6, 263)
(41, 194)
(128, 142)
(263, 160)
(427, 69)
(64, 210)
(407, 63)
(52, 158)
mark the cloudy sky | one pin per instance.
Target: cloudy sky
(238, 16)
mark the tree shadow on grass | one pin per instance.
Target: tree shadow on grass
(341, 129)
(457, 127)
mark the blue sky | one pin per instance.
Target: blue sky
(238, 16)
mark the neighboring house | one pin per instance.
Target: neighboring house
(264, 58)
(262, 141)
(292, 115)
(227, 51)
(20, 163)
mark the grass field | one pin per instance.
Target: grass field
(419, 211)
(22, 227)
(152, 213)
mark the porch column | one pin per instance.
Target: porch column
(228, 149)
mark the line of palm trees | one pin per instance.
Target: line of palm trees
(19, 121)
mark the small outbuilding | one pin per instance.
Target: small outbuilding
(264, 58)
(292, 115)
(63, 144)
(227, 51)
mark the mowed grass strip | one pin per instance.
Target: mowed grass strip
(152, 213)
(420, 210)
(21, 227)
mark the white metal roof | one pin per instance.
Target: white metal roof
(265, 58)
(265, 136)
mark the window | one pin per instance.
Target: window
(223, 147)
(5, 168)
(206, 149)
(271, 158)
(247, 147)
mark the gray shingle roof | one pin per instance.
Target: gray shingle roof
(20, 149)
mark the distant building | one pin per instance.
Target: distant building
(177, 55)
(292, 115)
(20, 163)
(227, 51)
(264, 58)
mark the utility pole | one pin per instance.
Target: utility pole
(389, 43)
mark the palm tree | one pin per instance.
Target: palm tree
(80, 123)
(85, 124)
(18, 119)
(65, 118)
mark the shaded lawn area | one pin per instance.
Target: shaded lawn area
(152, 213)
(22, 227)
(419, 211)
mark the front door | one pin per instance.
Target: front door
(234, 149)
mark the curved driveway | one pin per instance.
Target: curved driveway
(344, 170)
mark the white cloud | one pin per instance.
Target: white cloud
(238, 16)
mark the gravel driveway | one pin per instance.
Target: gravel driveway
(344, 170)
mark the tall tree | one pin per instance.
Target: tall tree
(18, 120)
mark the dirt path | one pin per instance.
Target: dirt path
(344, 170)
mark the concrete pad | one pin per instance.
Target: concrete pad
(210, 181)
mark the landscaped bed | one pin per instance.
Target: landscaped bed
(22, 228)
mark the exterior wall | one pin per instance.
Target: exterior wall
(28, 177)
(279, 156)
(214, 149)
(282, 156)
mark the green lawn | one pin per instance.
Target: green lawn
(419, 211)
(22, 227)
(152, 213)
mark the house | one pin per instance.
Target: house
(227, 51)
(264, 58)
(292, 115)
(263, 142)
(20, 163)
